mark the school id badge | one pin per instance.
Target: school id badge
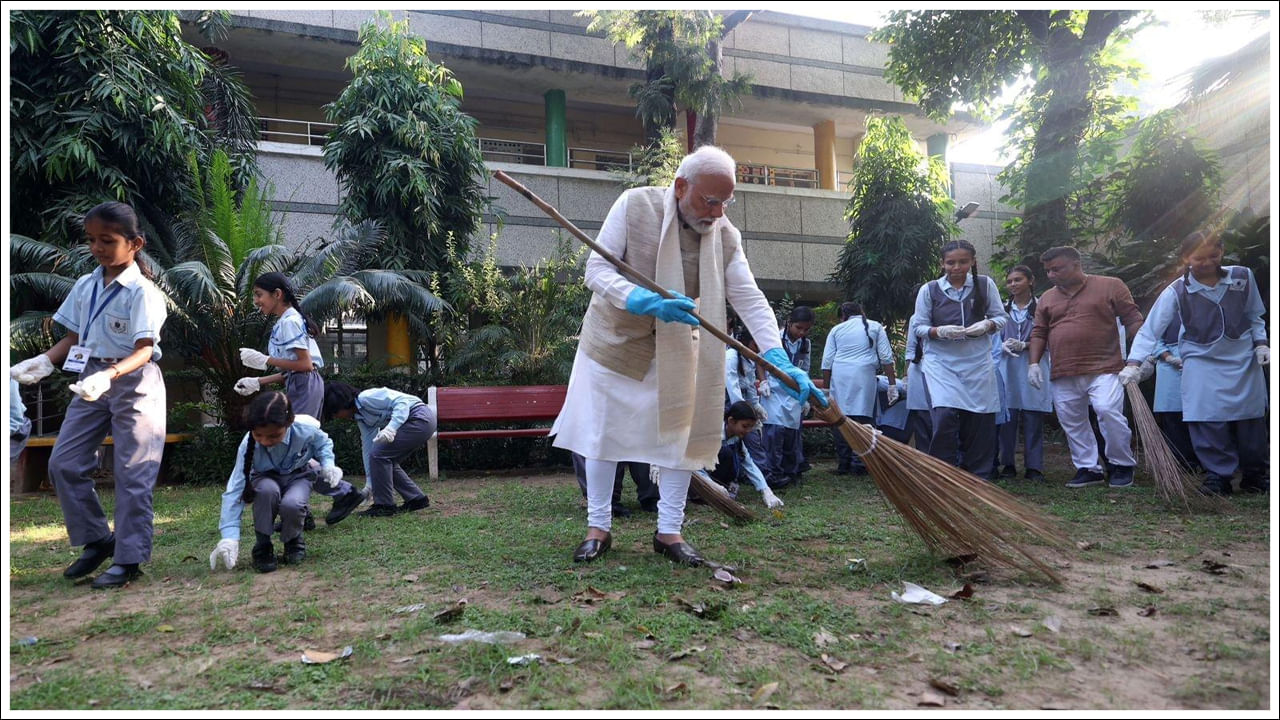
(77, 359)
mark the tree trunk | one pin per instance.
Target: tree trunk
(653, 74)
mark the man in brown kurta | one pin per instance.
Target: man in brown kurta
(1077, 319)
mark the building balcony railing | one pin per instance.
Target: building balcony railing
(300, 132)
(513, 151)
(751, 174)
(592, 159)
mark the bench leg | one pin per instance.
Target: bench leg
(433, 458)
(35, 469)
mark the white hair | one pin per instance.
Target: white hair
(707, 160)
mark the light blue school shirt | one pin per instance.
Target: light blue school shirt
(381, 407)
(289, 335)
(1221, 381)
(894, 416)
(960, 372)
(1019, 394)
(916, 387)
(17, 410)
(783, 409)
(853, 363)
(110, 320)
(741, 387)
(303, 442)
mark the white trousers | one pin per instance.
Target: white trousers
(673, 488)
(1072, 397)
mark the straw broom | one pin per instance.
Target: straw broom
(717, 497)
(951, 510)
(1174, 483)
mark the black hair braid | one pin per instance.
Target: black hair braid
(246, 495)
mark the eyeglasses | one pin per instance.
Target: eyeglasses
(714, 203)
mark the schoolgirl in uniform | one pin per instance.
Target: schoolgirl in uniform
(734, 466)
(275, 472)
(392, 426)
(113, 316)
(855, 349)
(740, 385)
(1223, 347)
(1026, 404)
(783, 432)
(919, 409)
(954, 314)
(292, 348)
(892, 418)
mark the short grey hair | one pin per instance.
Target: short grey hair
(707, 160)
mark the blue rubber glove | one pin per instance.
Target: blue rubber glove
(642, 301)
(778, 357)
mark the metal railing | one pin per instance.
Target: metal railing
(593, 159)
(300, 132)
(513, 151)
(751, 174)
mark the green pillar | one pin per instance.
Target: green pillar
(557, 144)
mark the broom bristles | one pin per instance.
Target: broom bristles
(1174, 483)
(718, 498)
(952, 510)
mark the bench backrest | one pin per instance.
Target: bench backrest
(486, 404)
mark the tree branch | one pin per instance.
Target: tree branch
(1037, 22)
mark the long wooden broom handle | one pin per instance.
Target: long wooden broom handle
(638, 278)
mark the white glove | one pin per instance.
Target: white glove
(227, 551)
(92, 387)
(891, 395)
(32, 370)
(771, 501)
(764, 389)
(385, 435)
(1262, 353)
(331, 475)
(761, 415)
(1035, 375)
(980, 328)
(1013, 347)
(1148, 367)
(248, 385)
(251, 358)
(950, 332)
(1130, 374)
(1175, 361)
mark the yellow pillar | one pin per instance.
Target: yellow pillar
(824, 154)
(399, 353)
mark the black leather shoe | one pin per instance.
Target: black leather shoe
(294, 551)
(376, 510)
(679, 552)
(621, 511)
(1033, 475)
(95, 553)
(1008, 471)
(264, 555)
(593, 549)
(116, 576)
(412, 505)
(343, 505)
(308, 522)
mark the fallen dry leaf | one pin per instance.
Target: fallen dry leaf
(931, 699)
(320, 657)
(1053, 623)
(1082, 545)
(451, 613)
(953, 647)
(725, 576)
(1157, 564)
(945, 686)
(403, 660)
(644, 644)
(724, 525)
(1150, 588)
(1213, 568)
(977, 576)
(410, 608)
(1103, 611)
(833, 663)
(458, 588)
(763, 692)
(410, 578)
(963, 593)
(1020, 631)
(1147, 611)
(742, 635)
(822, 638)
(681, 654)
(382, 636)
(592, 635)
(674, 690)
(164, 628)
(591, 595)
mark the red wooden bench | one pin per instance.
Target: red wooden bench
(508, 403)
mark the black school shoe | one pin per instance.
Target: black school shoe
(1008, 471)
(376, 510)
(343, 505)
(116, 576)
(414, 505)
(308, 522)
(95, 553)
(264, 555)
(294, 551)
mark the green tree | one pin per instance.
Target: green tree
(683, 65)
(225, 243)
(899, 217)
(518, 328)
(1067, 122)
(111, 105)
(405, 153)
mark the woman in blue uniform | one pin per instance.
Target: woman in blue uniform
(1223, 347)
(113, 316)
(393, 425)
(1026, 404)
(856, 348)
(919, 417)
(954, 315)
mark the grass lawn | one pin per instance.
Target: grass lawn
(801, 631)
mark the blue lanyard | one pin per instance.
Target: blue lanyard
(93, 300)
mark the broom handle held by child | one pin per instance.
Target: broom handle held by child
(636, 277)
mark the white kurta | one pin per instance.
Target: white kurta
(854, 359)
(609, 416)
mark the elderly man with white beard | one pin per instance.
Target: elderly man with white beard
(647, 385)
